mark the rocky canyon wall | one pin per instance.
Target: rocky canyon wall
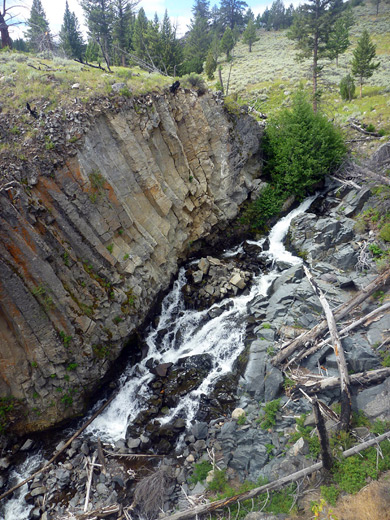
(85, 248)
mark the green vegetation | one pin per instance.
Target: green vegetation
(241, 420)
(65, 338)
(330, 494)
(200, 472)
(306, 433)
(267, 205)
(362, 62)
(7, 405)
(270, 411)
(347, 88)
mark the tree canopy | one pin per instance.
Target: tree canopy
(38, 33)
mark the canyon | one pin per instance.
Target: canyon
(90, 239)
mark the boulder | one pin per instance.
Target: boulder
(374, 401)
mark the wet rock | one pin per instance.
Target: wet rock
(28, 444)
(162, 369)
(200, 430)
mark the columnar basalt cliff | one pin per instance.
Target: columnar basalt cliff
(86, 247)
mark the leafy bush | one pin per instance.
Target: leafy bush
(200, 472)
(347, 88)
(195, 81)
(219, 481)
(385, 232)
(330, 494)
(301, 147)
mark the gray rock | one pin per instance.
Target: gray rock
(4, 463)
(199, 489)
(374, 401)
(38, 491)
(102, 489)
(117, 87)
(27, 445)
(345, 258)
(197, 276)
(200, 430)
(133, 443)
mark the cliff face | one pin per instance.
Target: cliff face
(85, 250)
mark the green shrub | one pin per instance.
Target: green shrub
(301, 147)
(270, 411)
(385, 232)
(219, 481)
(347, 88)
(330, 494)
(268, 204)
(201, 471)
(195, 81)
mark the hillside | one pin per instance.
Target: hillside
(266, 77)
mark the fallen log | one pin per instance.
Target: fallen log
(346, 404)
(66, 445)
(226, 502)
(305, 353)
(308, 338)
(362, 379)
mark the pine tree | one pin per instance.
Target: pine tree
(140, 35)
(362, 65)
(122, 26)
(232, 13)
(338, 41)
(70, 35)
(313, 23)
(99, 15)
(211, 65)
(38, 33)
(227, 42)
(201, 9)
(171, 53)
(197, 45)
(249, 35)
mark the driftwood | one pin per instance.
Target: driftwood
(345, 330)
(339, 353)
(220, 504)
(363, 131)
(362, 379)
(89, 482)
(66, 445)
(307, 338)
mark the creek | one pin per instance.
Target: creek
(218, 332)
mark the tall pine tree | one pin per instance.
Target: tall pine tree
(362, 64)
(124, 17)
(70, 35)
(232, 13)
(313, 23)
(38, 33)
(99, 15)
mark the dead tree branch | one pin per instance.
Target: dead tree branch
(345, 330)
(307, 338)
(277, 484)
(66, 445)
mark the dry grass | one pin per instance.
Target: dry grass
(371, 503)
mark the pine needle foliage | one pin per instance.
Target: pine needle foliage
(301, 146)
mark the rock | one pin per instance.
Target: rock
(4, 463)
(203, 265)
(300, 447)
(162, 369)
(238, 281)
(117, 87)
(190, 458)
(102, 489)
(374, 401)
(28, 444)
(76, 86)
(237, 413)
(38, 491)
(197, 276)
(200, 430)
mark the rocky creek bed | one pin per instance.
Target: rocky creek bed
(327, 239)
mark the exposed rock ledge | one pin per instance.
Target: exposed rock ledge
(85, 251)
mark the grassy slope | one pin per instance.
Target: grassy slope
(266, 77)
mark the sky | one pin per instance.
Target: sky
(178, 10)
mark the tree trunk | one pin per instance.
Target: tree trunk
(315, 64)
(5, 37)
(361, 379)
(339, 353)
(327, 460)
(341, 312)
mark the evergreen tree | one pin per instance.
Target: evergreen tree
(265, 18)
(70, 35)
(277, 14)
(362, 65)
(338, 41)
(93, 52)
(122, 26)
(38, 33)
(140, 35)
(197, 45)
(99, 15)
(201, 9)
(20, 45)
(227, 42)
(249, 36)
(249, 15)
(211, 65)
(313, 23)
(232, 13)
(171, 53)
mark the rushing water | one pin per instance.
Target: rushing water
(184, 333)
(180, 333)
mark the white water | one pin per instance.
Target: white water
(188, 333)
(183, 333)
(16, 508)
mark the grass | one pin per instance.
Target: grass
(267, 84)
